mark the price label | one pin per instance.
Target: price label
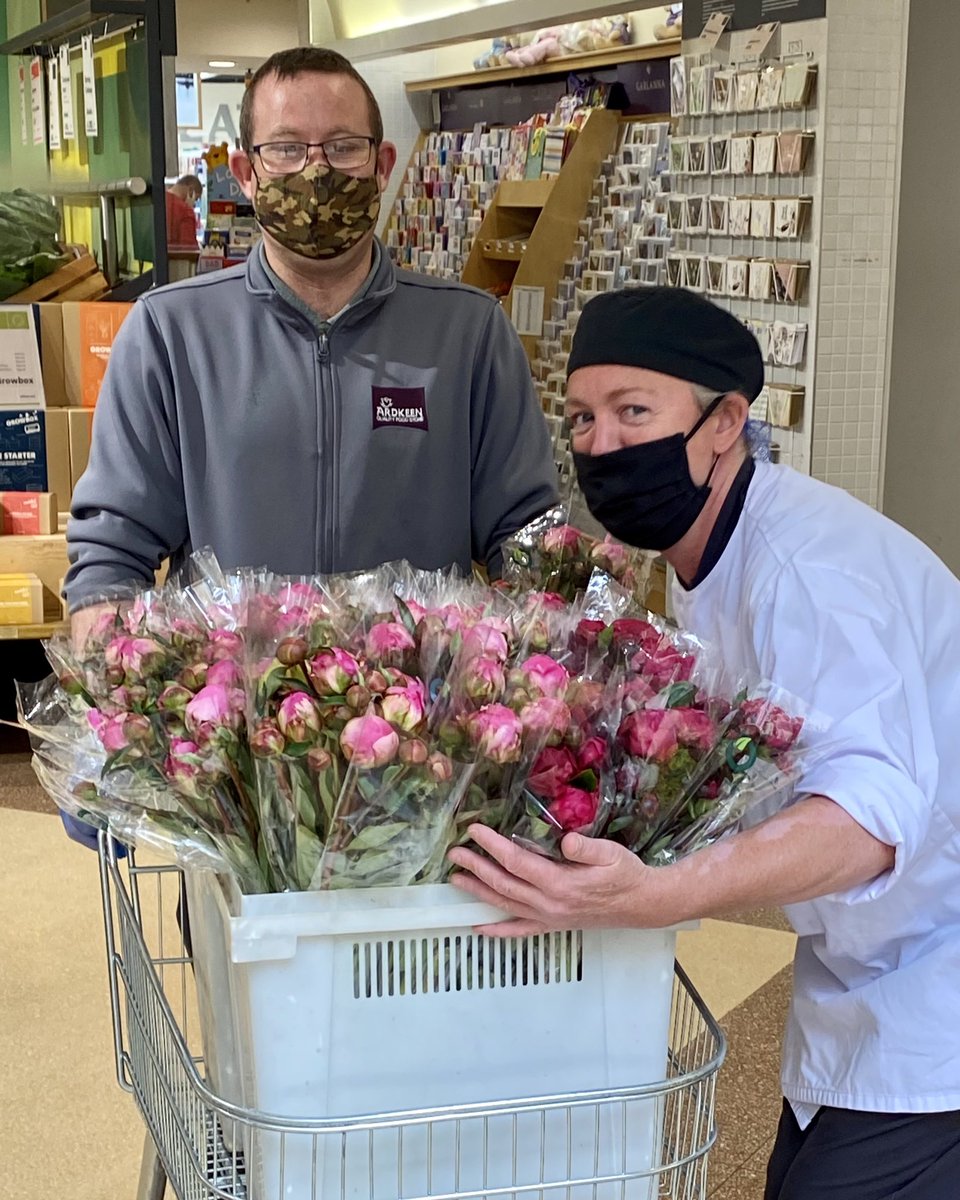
(22, 77)
(66, 94)
(90, 116)
(36, 102)
(53, 91)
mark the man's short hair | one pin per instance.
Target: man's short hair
(190, 181)
(304, 60)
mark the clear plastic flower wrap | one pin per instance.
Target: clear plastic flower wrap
(666, 751)
(158, 682)
(551, 555)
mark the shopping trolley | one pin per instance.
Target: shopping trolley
(576, 1146)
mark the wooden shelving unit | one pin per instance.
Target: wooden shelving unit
(542, 217)
(592, 60)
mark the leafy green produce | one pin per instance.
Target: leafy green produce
(29, 240)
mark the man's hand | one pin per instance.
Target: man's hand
(600, 886)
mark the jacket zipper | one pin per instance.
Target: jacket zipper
(327, 423)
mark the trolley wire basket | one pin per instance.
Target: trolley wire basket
(577, 1146)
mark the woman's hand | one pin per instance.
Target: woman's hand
(600, 886)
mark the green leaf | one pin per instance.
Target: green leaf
(540, 830)
(309, 851)
(406, 616)
(605, 638)
(681, 695)
(375, 836)
(303, 797)
(586, 781)
(275, 677)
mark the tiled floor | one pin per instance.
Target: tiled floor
(67, 1130)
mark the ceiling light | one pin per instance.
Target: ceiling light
(224, 63)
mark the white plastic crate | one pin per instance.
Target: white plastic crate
(360, 1002)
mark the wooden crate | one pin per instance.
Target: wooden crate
(78, 280)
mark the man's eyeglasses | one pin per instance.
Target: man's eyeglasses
(343, 153)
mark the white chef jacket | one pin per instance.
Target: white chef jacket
(837, 604)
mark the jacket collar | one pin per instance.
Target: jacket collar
(383, 284)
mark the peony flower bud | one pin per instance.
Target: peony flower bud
(369, 742)
(610, 556)
(413, 752)
(388, 641)
(193, 676)
(114, 676)
(210, 711)
(358, 698)
(143, 657)
(377, 682)
(441, 768)
(266, 740)
(495, 732)
(406, 706)
(544, 676)
(319, 760)
(563, 539)
(546, 717)
(299, 718)
(182, 768)
(72, 684)
(223, 673)
(485, 640)
(292, 650)
(483, 680)
(174, 698)
(333, 671)
(574, 809)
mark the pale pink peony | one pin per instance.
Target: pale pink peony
(211, 709)
(224, 643)
(185, 775)
(564, 539)
(369, 742)
(546, 717)
(266, 740)
(333, 671)
(223, 673)
(388, 640)
(485, 640)
(548, 601)
(143, 656)
(118, 732)
(174, 698)
(483, 680)
(299, 717)
(610, 556)
(545, 676)
(495, 732)
(405, 706)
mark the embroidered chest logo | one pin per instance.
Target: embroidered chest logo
(406, 407)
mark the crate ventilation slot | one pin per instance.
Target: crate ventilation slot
(464, 963)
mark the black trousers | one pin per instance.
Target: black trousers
(845, 1155)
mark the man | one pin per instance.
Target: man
(314, 410)
(181, 214)
(797, 582)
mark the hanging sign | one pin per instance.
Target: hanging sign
(53, 92)
(90, 121)
(66, 94)
(22, 76)
(36, 102)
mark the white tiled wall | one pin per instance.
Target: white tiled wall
(386, 77)
(862, 105)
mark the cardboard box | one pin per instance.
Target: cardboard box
(89, 330)
(23, 451)
(80, 427)
(21, 600)
(49, 323)
(44, 556)
(58, 456)
(21, 380)
(28, 513)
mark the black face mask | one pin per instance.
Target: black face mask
(644, 494)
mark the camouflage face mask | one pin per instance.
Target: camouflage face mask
(318, 212)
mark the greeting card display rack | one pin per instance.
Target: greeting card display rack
(745, 161)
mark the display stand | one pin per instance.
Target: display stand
(531, 226)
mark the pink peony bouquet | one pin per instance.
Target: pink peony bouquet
(345, 731)
(552, 555)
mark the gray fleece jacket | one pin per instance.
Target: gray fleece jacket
(408, 429)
